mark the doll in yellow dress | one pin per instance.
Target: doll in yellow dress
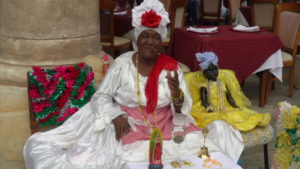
(217, 95)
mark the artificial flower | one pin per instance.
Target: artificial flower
(80, 65)
(34, 93)
(52, 89)
(151, 19)
(38, 107)
(283, 139)
(287, 153)
(105, 58)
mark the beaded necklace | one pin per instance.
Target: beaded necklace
(150, 126)
(220, 103)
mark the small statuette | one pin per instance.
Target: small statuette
(155, 150)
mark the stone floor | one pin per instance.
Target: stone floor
(254, 158)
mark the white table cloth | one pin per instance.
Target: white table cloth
(274, 63)
(224, 160)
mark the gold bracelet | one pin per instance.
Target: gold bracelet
(180, 97)
(178, 103)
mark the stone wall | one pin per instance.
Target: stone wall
(44, 33)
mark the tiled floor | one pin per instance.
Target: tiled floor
(253, 158)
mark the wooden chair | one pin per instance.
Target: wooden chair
(262, 13)
(287, 27)
(210, 11)
(234, 6)
(109, 42)
(177, 18)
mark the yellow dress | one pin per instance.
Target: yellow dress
(241, 118)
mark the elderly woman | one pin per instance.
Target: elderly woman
(142, 92)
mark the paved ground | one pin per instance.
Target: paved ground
(253, 158)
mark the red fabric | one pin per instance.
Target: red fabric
(123, 24)
(163, 120)
(242, 52)
(163, 62)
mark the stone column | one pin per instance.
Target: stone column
(44, 33)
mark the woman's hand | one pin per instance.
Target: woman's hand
(173, 83)
(122, 127)
(176, 92)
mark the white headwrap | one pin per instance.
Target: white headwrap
(155, 9)
(206, 59)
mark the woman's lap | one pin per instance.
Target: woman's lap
(76, 145)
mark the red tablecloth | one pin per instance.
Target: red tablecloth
(123, 24)
(242, 52)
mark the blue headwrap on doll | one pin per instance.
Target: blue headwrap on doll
(206, 59)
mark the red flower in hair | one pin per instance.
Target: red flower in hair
(151, 19)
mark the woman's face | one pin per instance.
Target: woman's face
(149, 44)
(211, 73)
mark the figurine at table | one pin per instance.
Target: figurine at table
(155, 150)
(217, 95)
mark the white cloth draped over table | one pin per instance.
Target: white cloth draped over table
(274, 64)
(87, 139)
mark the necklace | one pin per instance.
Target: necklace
(220, 95)
(145, 119)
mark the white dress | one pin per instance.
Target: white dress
(87, 139)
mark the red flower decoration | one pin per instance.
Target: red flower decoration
(34, 92)
(49, 96)
(151, 19)
(105, 58)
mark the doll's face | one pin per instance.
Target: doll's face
(211, 73)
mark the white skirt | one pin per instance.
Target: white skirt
(76, 145)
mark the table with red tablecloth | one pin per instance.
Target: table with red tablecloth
(242, 52)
